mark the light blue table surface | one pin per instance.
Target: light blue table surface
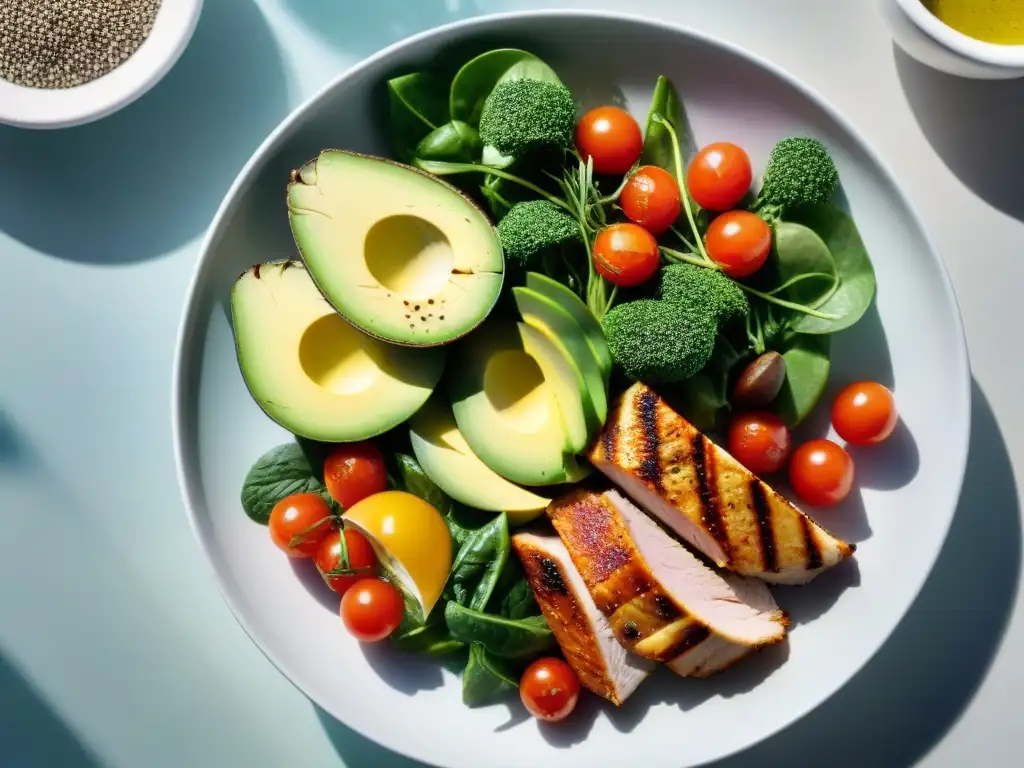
(115, 647)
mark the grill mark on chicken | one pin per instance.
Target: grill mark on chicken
(552, 577)
(764, 526)
(650, 467)
(666, 608)
(814, 560)
(703, 458)
(611, 437)
(692, 636)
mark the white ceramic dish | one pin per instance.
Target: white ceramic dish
(909, 487)
(61, 108)
(922, 36)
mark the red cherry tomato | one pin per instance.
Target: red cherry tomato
(298, 523)
(651, 198)
(821, 472)
(549, 689)
(759, 440)
(719, 176)
(864, 413)
(353, 471)
(626, 254)
(361, 559)
(739, 241)
(611, 137)
(372, 609)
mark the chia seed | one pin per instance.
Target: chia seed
(65, 43)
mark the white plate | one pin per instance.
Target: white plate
(912, 340)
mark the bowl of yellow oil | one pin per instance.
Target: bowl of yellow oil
(970, 38)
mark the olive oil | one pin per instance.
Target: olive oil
(992, 21)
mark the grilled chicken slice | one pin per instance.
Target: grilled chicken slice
(582, 631)
(706, 496)
(662, 601)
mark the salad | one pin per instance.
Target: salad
(505, 353)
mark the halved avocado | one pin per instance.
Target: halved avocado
(573, 304)
(559, 328)
(312, 372)
(507, 411)
(401, 254)
(448, 460)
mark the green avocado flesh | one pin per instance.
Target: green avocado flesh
(444, 455)
(312, 372)
(506, 409)
(401, 254)
(573, 304)
(558, 326)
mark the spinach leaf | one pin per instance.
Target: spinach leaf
(657, 148)
(462, 522)
(455, 141)
(280, 472)
(807, 366)
(703, 398)
(479, 564)
(486, 678)
(507, 638)
(415, 481)
(512, 597)
(418, 104)
(476, 79)
(852, 264)
(519, 602)
(803, 261)
(430, 637)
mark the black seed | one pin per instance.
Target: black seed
(417, 307)
(441, 318)
(423, 319)
(430, 301)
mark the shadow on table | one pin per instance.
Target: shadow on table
(355, 750)
(363, 28)
(32, 734)
(148, 179)
(914, 689)
(974, 126)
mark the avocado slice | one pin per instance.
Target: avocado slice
(403, 255)
(573, 304)
(444, 455)
(312, 372)
(566, 382)
(506, 410)
(559, 328)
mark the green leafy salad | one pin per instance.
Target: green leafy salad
(449, 343)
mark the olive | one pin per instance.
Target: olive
(760, 381)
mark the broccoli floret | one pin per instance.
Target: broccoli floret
(531, 228)
(800, 171)
(659, 342)
(524, 116)
(703, 291)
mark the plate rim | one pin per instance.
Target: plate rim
(188, 324)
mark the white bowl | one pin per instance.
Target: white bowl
(923, 37)
(911, 339)
(64, 107)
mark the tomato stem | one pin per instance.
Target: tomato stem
(300, 537)
(677, 156)
(442, 168)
